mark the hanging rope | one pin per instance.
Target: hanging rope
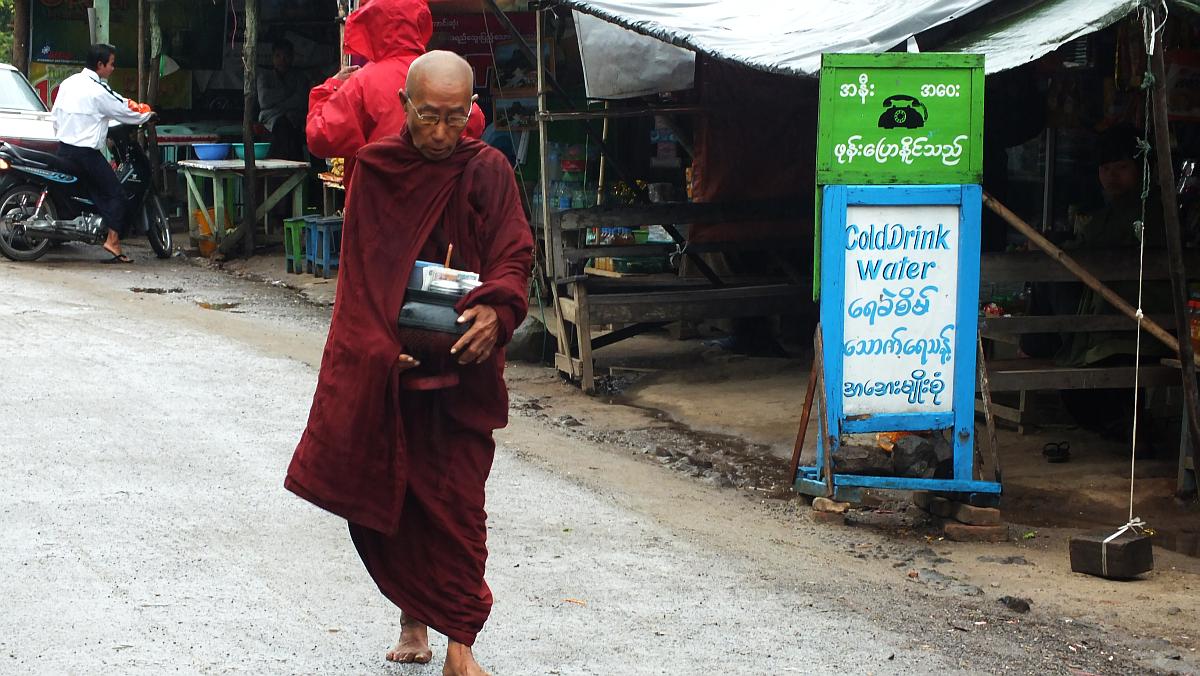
(1152, 29)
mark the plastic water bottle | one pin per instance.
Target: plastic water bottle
(535, 207)
(563, 196)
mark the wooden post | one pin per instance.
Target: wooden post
(1078, 270)
(20, 28)
(141, 50)
(155, 56)
(551, 252)
(245, 231)
(153, 40)
(1166, 184)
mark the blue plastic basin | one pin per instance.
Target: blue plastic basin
(211, 151)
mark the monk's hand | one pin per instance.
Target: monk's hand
(478, 343)
(406, 362)
(345, 73)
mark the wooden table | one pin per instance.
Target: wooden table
(222, 173)
(331, 185)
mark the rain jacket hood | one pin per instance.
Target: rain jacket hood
(389, 29)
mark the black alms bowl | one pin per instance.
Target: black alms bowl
(428, 326)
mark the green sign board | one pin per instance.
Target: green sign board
(900, 118)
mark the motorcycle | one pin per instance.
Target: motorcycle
(44, 200)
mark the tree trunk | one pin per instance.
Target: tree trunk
(250, 178)
(20, 28)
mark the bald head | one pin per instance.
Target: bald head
(438, 99)
(441, 70)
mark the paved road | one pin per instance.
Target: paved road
(143, 441)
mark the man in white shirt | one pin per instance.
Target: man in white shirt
(82, 111)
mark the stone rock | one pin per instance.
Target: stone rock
(832, 506)
(914, 456)
(1006, 560)
(966, 589)
(662, 452)
(939, 506)
(1017, 605)
(828, 518)
(569, 421)
(701, 460)
(854, 459)
(922, 499)
(530, 342)
(975, 516)
(964, 513)
(961, 532)
(944, 451)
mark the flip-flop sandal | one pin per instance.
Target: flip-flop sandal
(1057, 452)
(119, 258)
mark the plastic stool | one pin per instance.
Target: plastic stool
(324, 244)
(293, 245)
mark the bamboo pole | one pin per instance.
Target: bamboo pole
(1079, 271)
(1166, 184)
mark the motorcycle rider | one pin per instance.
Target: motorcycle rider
(82, 111)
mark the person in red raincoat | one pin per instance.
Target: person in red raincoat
(357, 106)
(405, 465)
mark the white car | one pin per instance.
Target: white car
(24, 119)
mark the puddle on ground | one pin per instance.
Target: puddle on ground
(216, 306)
(155, 290)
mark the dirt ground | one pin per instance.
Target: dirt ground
(729, 422)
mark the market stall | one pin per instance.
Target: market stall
(1035, 164)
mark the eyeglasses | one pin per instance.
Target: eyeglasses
(453, 121)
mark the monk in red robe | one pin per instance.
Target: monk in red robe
(406, 467)
(357, 106)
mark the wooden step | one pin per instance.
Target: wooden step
(1012, 375)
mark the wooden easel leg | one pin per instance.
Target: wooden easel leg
(805, 413)
(583, 337)
(826, 448)
(985, 392)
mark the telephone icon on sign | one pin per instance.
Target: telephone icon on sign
(903, 112)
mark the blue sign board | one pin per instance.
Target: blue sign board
(900, 287)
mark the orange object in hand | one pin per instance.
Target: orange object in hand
(138, 107)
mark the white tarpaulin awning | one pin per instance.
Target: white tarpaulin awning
(618, 63)
(780, 36)
(789, 36)
(1018, 39)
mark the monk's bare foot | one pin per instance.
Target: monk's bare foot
(413, 646)
(461, 662)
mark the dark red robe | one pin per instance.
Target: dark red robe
(407, 468)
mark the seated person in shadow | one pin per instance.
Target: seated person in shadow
(1113, 227)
